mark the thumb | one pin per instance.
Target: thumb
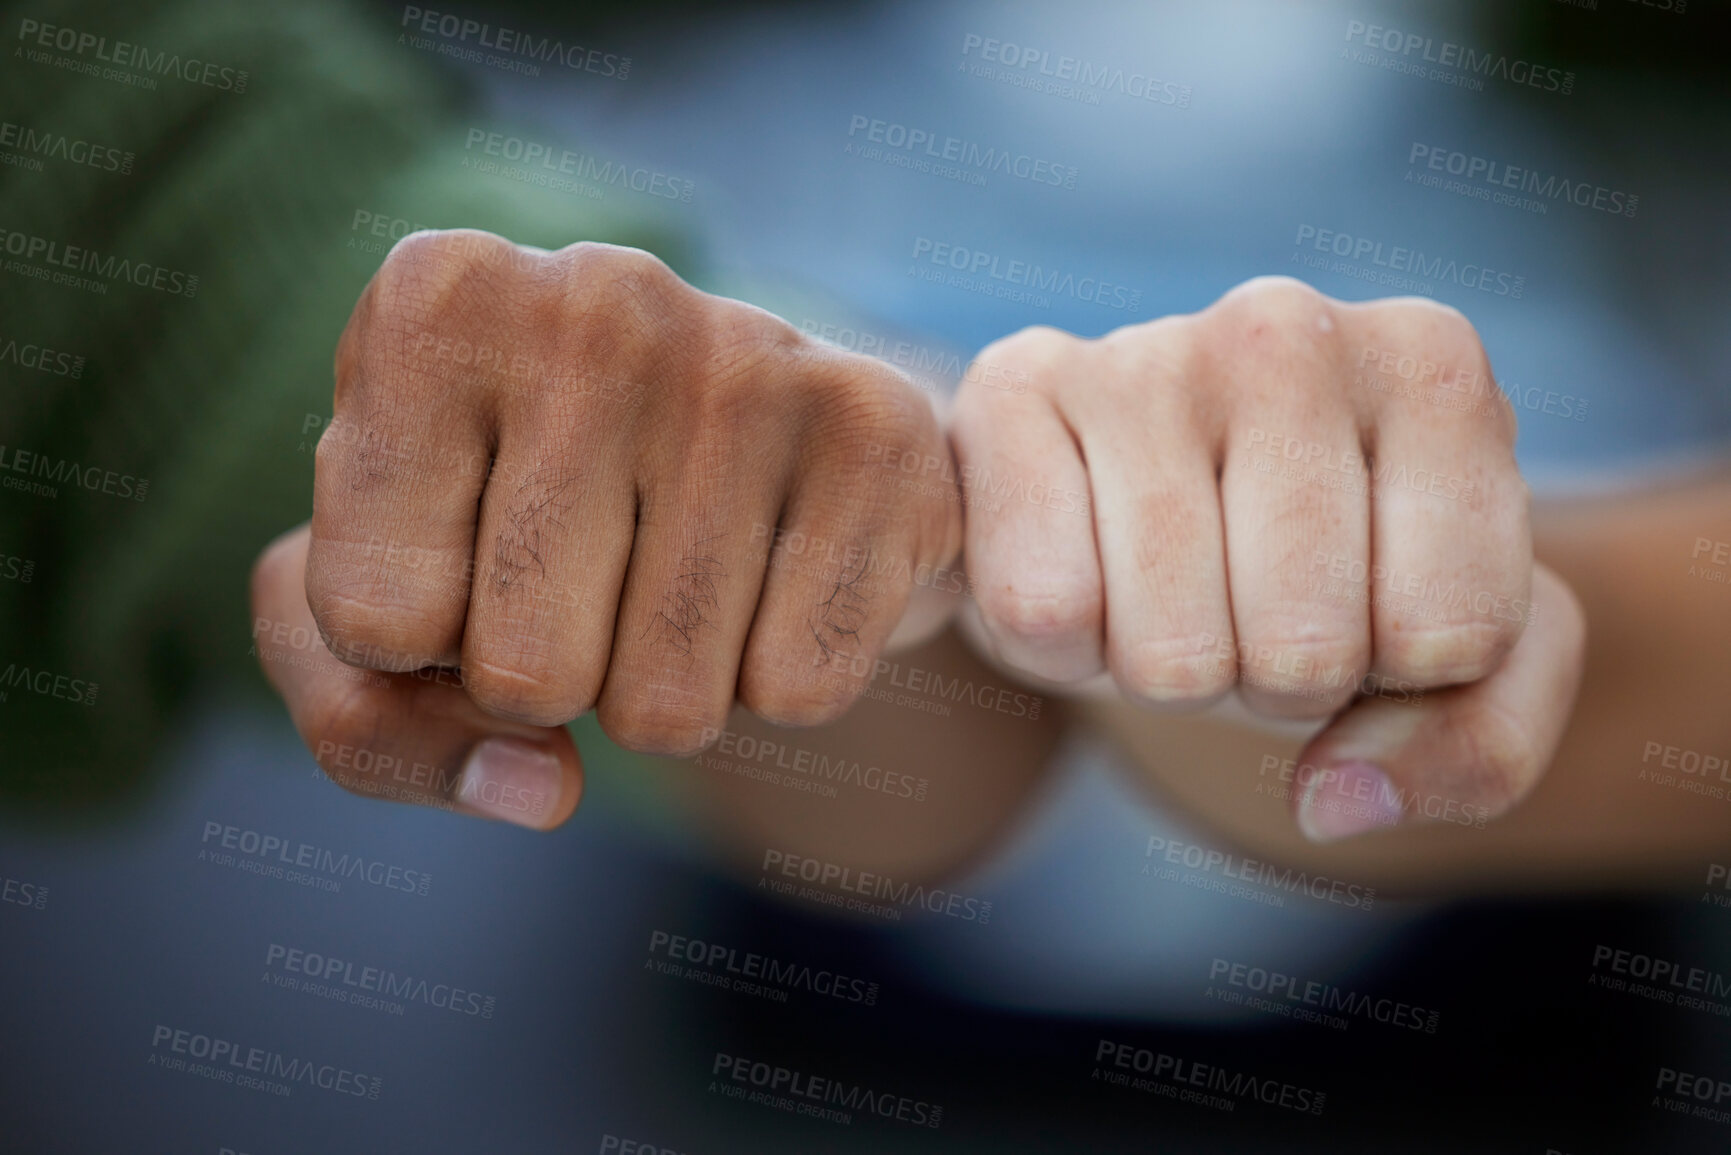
(414, 737)
(1461, 754)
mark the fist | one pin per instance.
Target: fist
(1309, 503)
(557, 481)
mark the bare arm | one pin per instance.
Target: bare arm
(1657, 684)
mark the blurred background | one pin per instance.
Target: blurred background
(257, 163)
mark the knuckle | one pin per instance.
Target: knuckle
(1451, 654)
(428, 273)
(525, 686)
(856, 407)
(616, 286)
(1272, 316)
(432, 287)
(641, 723)
(1033, 353)
(1430, 324)
(1053, 613)
(1150, 352)
(1324, 670)
(373, 632)
(1169, 671)
(776, 697)
(1442, 335)
(742, 354)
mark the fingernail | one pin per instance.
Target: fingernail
(511, 780)
(1347, 799)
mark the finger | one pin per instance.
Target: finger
(1450, 580)
(1030, 534)
(400, 469)
(852, 542)
(1461, 754)
(686, 612)
(1293, 485)
(557, 519)
(1151, 446)
(412, 737)
(554, 537)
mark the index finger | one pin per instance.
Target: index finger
(414, 737)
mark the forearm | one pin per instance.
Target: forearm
(1658, 672)
(922, 776)
(1657, 682)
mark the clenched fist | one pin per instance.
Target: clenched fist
(1314, 504)
(563, 480)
